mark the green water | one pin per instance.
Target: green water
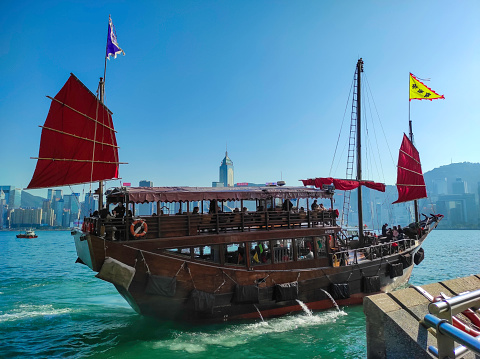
(51, 307)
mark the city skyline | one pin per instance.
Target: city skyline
(270, 79)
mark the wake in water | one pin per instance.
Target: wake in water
(247, 334)
(28, 311)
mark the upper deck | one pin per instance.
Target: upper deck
(274, 211)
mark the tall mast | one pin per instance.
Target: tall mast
(359, 148)
(415, 202)
(101, 87)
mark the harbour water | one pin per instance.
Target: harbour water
(52, 307)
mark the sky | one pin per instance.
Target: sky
(267, 80)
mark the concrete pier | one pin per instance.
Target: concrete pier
(394, 320)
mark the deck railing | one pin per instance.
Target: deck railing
(441, 319)
(354, 256)
(188, 224)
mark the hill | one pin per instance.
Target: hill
(467, 171)
(31, 201)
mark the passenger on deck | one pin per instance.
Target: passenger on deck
(287, 205)
(384, 230)
(213, 206)
(315, 205)
(395, 233)
(104, 212)
(244, 210)
(119, 211)
(195, 210)
(321, 208)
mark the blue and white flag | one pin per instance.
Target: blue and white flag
(112, 44)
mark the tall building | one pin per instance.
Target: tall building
(3, 209)
(20, 217)
(48, 215)
(226, 171)
(13, 196)
(459, 186)
(145, 209)
(72, 205)
(91, 204)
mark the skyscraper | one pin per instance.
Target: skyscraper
(145, 209)
(226, 171)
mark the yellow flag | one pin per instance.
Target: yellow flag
(418, 90)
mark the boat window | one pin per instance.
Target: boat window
(235, 254)
(181, 251)
(304, 248)
(282, 250)
(260, 253)
(322, 242)
(207, 253)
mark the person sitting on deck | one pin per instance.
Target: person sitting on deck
(119, 211)
(395, 233)
(321, 208)
(287, 205)
(104, 212)
(195, 210)
(315, 205)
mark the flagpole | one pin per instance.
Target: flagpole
(415, 202)
(102, 99)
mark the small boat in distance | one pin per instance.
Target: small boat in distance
(206, 262)
(30, 233)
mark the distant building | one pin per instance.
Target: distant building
(226, 171)
(3, 210)
(90, 204)
(48, 215)
(459, 186)
(145, 209)
(72, 205)
(20, 217)
(13, 196)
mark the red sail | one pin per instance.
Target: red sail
(78, 143)
(410, 182)
(343, 184)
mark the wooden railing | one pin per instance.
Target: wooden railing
(197, 224)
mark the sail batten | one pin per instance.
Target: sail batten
(410, 181)
(80, 138)
(78, 143)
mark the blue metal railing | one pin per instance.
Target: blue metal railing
(447, 334)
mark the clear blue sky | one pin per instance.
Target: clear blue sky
(269, 78)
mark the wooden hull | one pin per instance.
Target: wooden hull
(220, 282)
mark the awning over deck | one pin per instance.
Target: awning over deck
(177, 194)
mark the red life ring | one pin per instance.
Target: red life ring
(139, 228)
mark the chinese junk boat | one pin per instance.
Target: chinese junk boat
(204, 263)
(30, 233)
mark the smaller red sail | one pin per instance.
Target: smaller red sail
(410, 181)
(78, 143)
(343, 184)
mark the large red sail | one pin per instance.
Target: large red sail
(78, 143)
(410, 182)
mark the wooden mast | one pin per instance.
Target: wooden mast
(415, 202)
(359, 152)
(101, 87)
